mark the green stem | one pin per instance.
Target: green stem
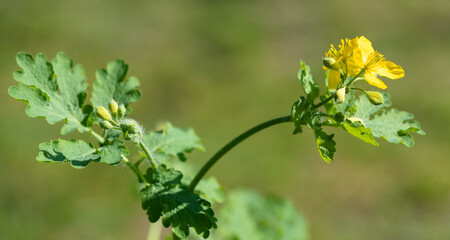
(355, 77)
(149, 154)
(97, 136)
(232, 144)
(323, 102)
(154, 231)
(133, 168)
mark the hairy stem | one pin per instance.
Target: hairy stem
(232, 144)
(97, 136)
(133, 168)
(149, 154)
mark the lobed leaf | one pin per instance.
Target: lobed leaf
(248, 215)
(391, 124)
(306, 78)
(172, 141)
(55, 91)
(325, 144)
(167, 199)
(112, 154)
(77, 152)
(111, 83)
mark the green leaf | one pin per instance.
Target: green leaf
(306, 78)
(54, 91)
(300, 113)
(325, 145)
(112, 154)
(172, 141)
(77, 152)
(210, 190)
(358, 130)
(111, 83)
(391, 124)
(165, 197)
(248, 215)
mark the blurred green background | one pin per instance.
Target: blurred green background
(222, 67)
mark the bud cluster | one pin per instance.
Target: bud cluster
(113, 119)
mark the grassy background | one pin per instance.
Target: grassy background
(222, 67)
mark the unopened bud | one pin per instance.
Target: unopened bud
(339, 117)
(122, 110)
(113, 107)
(106, 124)
(103, 113)
(340, 95)
(131, 130)
(330, 63)
(374, 97)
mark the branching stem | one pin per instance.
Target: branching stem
(149, 154)
(134, 169)
(97, 136)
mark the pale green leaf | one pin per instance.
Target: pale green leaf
(111, 83)
(248, 215)
(77, 152)
(210, 189)
(391, 124)
(112, 154)
(358, 130)
(172, 141)
(325, 145)
(306, 78)
(54, 91)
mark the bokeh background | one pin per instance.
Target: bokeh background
(222, 67)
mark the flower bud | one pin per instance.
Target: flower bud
(330, 63)
(103, 113)
(131, 130)
(105, 124)
(113, 107)
(122, 110)
(374, 97)
(340, 95)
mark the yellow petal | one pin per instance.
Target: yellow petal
(353, 67)
(389, 69)
(372, 79)
(365, 48)
(334, 78)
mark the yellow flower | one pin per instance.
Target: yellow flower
(373, 63)
(341, 57)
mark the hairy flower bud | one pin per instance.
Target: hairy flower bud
(374, 97)
(106, 125)
(131, 130)
(340, 95)
(113, 107)
(330, 63)
(122, 110)
(103, 113)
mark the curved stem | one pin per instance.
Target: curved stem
(232, 144)
(149, 154)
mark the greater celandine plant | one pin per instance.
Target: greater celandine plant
(56, 90)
